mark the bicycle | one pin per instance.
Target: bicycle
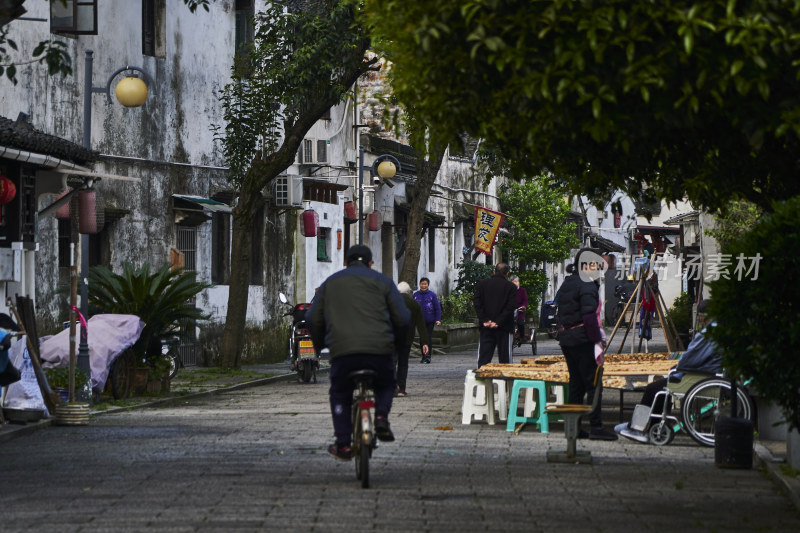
(363, 439)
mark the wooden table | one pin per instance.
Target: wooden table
(626, 374)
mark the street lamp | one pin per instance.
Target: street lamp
(383, 168)
(131, 92)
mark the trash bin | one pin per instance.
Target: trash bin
(733, 443)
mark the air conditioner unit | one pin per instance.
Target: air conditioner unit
(314, 152)
(287, 191)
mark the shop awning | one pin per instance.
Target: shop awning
(604, 244)
(194, 210)
(431, 219)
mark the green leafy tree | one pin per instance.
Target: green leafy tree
(680, 97)
(733, 222)
(469, 274)
(161, 299)
(300, 64)
(538, 230)
(51, 52)
(758, 315)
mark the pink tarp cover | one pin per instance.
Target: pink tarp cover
(109, 336)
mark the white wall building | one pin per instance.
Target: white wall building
(175, 196)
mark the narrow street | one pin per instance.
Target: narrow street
(255, 460)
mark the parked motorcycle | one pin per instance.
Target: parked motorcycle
(302, 354)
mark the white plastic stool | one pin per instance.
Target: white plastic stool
(530, 398)
(477, 402)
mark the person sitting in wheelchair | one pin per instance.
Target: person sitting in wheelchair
(701, 359)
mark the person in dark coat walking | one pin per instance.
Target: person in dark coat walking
(417, 321)
(359, 315)
(579, 314)
(495, 301)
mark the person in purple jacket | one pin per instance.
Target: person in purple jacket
(431, 312)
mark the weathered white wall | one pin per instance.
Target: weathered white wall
(167, 143)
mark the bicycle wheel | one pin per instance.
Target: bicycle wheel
(707, 400)
(363, 460)
(356, 441)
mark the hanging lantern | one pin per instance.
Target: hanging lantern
(91, 215)
(374, 220)
(7, 190)
(131, 92)
(63, 211)
(310, 223)
(350, 209)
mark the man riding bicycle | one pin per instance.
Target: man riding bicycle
(360, 316)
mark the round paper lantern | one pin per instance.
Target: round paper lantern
(349, 209)
(310, 223)
(63, 211)
(131, 92)
(91, 216)
(374, 221)
(7, 190)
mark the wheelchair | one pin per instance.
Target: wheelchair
(693, 404)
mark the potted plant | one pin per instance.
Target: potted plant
(161, 299)
(58, 379)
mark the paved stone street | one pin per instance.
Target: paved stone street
(254, 460)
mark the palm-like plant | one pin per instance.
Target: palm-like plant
(160, 299)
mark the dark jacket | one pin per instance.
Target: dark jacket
(702, 355)
(576, 299)
(417, 321)
(495, 300)
(358, 311)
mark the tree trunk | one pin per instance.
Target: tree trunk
(238, 291)
(429, 169)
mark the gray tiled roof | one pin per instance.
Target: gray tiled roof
(24, 137)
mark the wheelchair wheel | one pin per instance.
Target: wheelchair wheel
(660, 433)
(707, 400)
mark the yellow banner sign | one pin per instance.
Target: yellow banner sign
(487, 222)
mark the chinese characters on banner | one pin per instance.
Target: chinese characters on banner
(487, 222)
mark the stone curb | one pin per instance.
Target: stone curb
(790, 485)
(200, 394)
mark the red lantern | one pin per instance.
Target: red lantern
(91, 216)
(7, 190)
(374, 221)
(349, 209)
(310, 223)
(63, 211)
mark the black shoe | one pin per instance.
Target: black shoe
(422, 360)
(602, 433)
(428, 360)
(382, 429)
(341, 453)
(583, 434)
